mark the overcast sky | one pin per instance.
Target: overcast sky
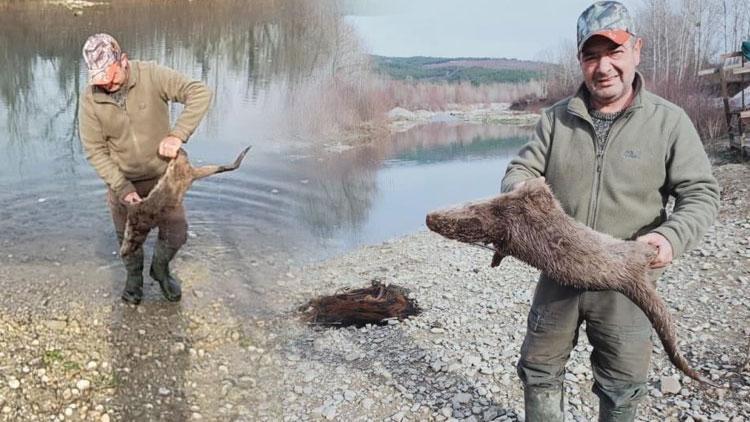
(520, 29)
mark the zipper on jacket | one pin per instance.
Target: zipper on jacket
(600, 150)
(599, 154)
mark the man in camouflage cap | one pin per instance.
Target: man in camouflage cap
(612, 154)
(126, 133)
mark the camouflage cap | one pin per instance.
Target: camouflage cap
(606, 18)
(100, 51)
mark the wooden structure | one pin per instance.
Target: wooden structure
(733, 75)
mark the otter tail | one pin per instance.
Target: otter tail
(645, 296)
(205, 171)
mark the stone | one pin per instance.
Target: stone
(83, 385)
(669, 385)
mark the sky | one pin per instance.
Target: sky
(520, 29)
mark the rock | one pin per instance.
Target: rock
(462, 398)
(329, 412)
(13, 383)
(55, 325)
(669, 385)
(83, 385)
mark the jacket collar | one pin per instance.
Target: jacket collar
(577, 104)
(101, 96)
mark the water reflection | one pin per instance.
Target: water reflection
(414, 172)
(248, 51)
(264, 60)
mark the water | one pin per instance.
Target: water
(297, 194)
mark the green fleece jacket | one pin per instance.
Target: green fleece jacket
(653, 151)
(122, 141)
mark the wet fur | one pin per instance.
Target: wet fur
(168, 193)
(370, 305)
(530, 225)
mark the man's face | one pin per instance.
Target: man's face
(116, 76)
(609, 69)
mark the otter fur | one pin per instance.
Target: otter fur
(370, 305)
(530, 225)
(168, 192)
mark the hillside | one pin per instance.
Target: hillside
(460, 69)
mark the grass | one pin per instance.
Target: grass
(51, 357)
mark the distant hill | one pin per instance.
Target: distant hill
(468, 69)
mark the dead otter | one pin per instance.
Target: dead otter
(168, 192)
(530, 225)
(370, 305)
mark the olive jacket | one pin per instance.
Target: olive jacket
(121, 141)
(653, 151)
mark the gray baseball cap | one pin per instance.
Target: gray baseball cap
(606, 18)
(100, 51)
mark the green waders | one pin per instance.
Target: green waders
(618, 331)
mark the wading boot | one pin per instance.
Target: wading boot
(133, 292)
(543, 404)
(609, 413)
(170, 285)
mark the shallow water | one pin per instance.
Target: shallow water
(292, 195)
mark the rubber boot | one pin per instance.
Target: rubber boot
(170, 285)
(609, 413)
(133, 292)
(543, 404)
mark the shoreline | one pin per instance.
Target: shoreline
(400, 119)
(235, 347)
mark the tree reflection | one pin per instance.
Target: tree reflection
(244, 48)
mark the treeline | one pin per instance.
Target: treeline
(438, 69)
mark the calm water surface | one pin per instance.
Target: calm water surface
(267, 68)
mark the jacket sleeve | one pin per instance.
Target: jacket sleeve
(695, 189)
(97, 151)
(532, 159)
(193, 94)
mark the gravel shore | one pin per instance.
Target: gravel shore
(233, 350)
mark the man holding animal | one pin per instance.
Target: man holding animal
(612, 154)
(125, 131)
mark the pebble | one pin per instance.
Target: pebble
(83, 384)
(669, 385)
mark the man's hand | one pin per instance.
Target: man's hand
(664, 253)
(169, 146)
(132, 198)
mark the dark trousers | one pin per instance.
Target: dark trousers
(618, 330)
(172, 225)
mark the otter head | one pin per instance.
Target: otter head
(488, 221)
(473, 222)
